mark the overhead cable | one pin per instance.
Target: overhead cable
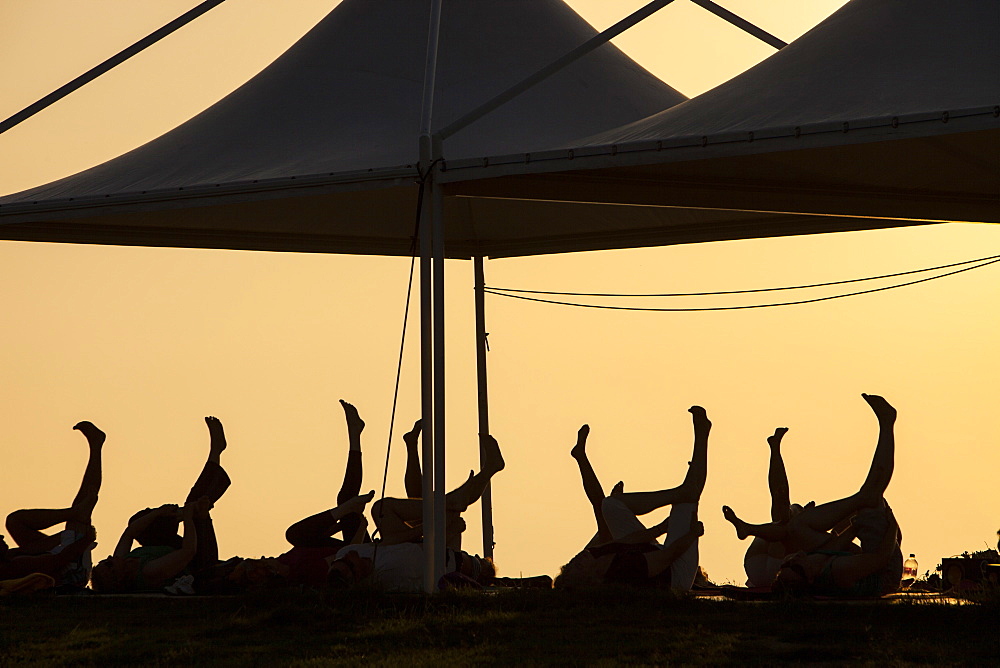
(746, 306)
(497, 290)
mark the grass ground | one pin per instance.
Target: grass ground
(511, 628)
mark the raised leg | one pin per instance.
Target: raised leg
(395, 518)
(619, 518)
(318, 530)
(688, 491)
(680, 547)
(826, 516)
(591, 484)
(772, 531)
(413, 478)
(212, 483)
(472, 489)
(883, 461)
(777, 479)
(353, 474)
(25, 526)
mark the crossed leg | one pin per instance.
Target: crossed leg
(810, 528)
(763, 558)
(212, 483)
(319, 530)
(679, 552)
(26, 526)
(689, 491)
(398, 520)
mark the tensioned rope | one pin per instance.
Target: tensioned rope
(406, 316)
(976, 264)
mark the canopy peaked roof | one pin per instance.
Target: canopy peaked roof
(889, 109)
(885, 114)
(268, 166)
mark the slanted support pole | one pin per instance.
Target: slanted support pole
(594, 42)
(484, 402)
(432, 323)
(741, 23)
(107, 65)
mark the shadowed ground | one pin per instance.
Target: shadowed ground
(518, 627)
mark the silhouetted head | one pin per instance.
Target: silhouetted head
(115, 575)
(793, 578)
(581, 571)
(161, 531)
(258, 573)
(349, 570)
(481, 569)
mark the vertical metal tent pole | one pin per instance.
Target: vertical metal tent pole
(437, 199)
(427, 388)
(428, 156)
(484, 402)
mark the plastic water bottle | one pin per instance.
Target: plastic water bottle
(910, 570)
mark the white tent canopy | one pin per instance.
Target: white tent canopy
(318, 152)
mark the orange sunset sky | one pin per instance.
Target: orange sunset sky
(146, 342)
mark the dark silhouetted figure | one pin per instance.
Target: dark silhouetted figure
(314, 540)
(65, 556)
(624, 551)
(825, 560)
(397, 560)
(763, 558)
(163, 555)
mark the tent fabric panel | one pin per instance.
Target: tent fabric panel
(949, 177)
(348, 95)
(871, 58)
(376, 222)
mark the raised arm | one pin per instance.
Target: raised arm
(159, 571)
(140, 524)
(848, 570)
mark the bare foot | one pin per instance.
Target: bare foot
(774, 440)
(412, 437)
(95, 437)
(454, 501)
(882, 408)
(355, 425)
(492, 457)
(618, 489)
(218, 436)
(741, 531)
(700, 418)
(579, 450)
(358, 503)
